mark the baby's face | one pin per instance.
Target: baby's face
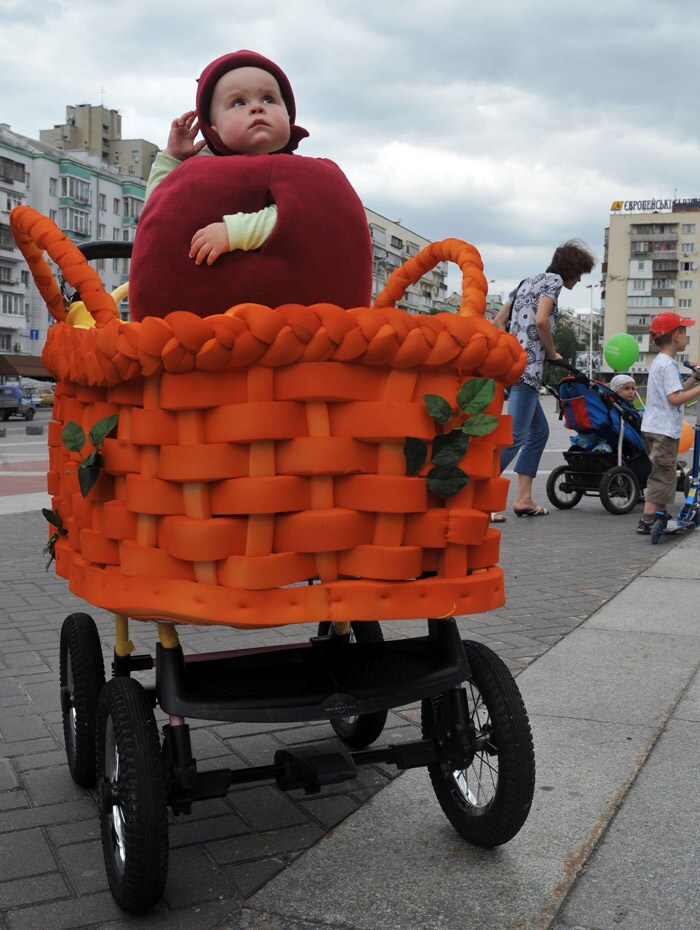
(249, 113)
(627, 391)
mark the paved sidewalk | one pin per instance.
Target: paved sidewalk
(560, 570)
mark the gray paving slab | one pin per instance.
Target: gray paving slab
(558, 574)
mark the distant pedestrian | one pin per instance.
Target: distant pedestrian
(663, 415)
(531, 314)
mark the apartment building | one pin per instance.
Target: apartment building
(392, 244)
(87, 199)
(651, 265)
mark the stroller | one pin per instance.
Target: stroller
(257, 478)
(607, 457)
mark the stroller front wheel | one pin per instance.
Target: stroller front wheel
(559, 489)
(619, 490)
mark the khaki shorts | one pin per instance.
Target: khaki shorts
(661, 483)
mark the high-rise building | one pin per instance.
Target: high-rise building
(651, 265)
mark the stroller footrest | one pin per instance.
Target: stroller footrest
(314, 765)
(317, 680)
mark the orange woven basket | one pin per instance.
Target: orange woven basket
(261, 449)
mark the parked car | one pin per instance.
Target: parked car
(46, 397)
(16, 402)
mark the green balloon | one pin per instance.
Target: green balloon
(621, 351)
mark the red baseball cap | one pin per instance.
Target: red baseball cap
(667, 322)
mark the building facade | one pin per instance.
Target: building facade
(651, 265)
(87, 198)
(392, 244)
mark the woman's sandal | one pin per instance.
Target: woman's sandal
(537, 511)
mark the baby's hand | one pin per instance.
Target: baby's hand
(209, 243)
(181, 144)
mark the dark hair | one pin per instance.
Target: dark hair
(665, 338)
(572, 259)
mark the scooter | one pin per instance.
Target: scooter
(689, 514)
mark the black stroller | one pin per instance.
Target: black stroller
(607, 457)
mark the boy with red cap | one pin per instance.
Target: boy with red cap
(291, 229)
(663, 415)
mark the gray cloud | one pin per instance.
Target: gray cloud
(512, 125)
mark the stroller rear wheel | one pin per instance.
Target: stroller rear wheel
(619, 490)
(82, 677)
(559, 489)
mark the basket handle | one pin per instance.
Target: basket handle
(474, 285)
(35, 234)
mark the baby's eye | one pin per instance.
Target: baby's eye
(269, 98)
(238, 102)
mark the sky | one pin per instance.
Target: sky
(511, 124)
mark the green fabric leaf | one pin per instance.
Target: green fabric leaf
(54, 518)
(89, 471)
(73, 437)
(449, 449)
(480, 424)
(437, 407)
(102, 429)
(446, 480)
(475, 395)
(415, 452)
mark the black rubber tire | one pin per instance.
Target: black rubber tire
(6, 414)
(619, 490)
(564, 500)
(82, 677)
(364, 729)
(132, 796)
(29, 415)
(491, 814)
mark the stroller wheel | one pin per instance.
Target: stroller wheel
(619, 490)
(559, 490)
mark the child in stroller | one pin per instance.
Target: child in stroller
(607, 456)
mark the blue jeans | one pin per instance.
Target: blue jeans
(530, 430)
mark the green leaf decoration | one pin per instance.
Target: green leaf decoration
(415, 452)
(73, 437)
(54, 518)
(475, 395)
(446, 480)
(480, 424)
(437, 407)
(89, 471)
(102, 429)
(449, 448)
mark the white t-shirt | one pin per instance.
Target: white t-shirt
(659, 415)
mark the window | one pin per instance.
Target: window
(135, 155)
(24, 276)
(11, 200)
(688, 228)
(53, 187)
(116, 206)
(6, 240)
(116, 233)
(396, 242)
(5, 274)
(688, 248)
(640, 266)
(5, 342)
(685, 303)
(685, 285)
(76, 189)
(12, 304)
(103, 201)
(101, 231)
(639, 284)
(133, 207)
(73, 220)
(53, 215)
(688, 266)
(12, 170)
(412, 248)
(378, 234)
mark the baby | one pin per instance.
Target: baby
(625, 387)
(256, 223)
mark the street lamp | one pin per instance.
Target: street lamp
(590, 334)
